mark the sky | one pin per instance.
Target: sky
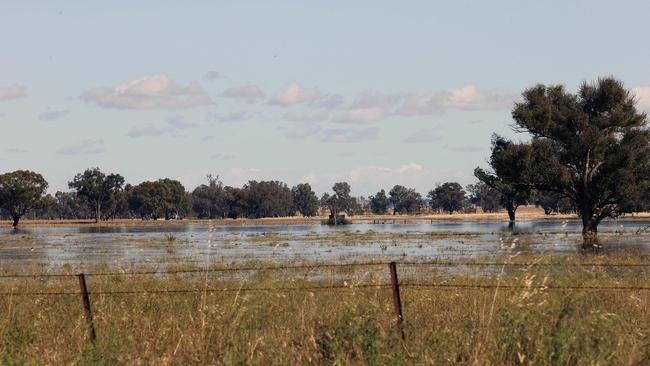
(375, 93)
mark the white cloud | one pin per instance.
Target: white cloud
(84, 147)
(172, 125)
(422, 104)
(362, 115)
(468, 97)
(370, 107)
(12, 92)
(295, 93)
(149, 92)
(250, 92)
(421, 136)
(53, 115)
(642, 94)
(350, 135)
(308, 115)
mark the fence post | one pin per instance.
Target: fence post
(86, 300)
(396, 297)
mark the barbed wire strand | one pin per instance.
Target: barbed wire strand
(340, 265)
(438, 286)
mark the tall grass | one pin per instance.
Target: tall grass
(527, 325)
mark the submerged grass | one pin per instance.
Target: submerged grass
(521, 320)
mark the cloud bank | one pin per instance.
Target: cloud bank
(149, 92)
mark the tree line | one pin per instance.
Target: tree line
(588, 152)
(100, 196)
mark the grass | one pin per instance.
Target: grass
(529, 324)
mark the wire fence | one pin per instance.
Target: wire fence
(394, 284)
(320, 287)
(331, 265)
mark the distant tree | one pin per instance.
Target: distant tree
(46, 208)
(97, 187)
(209, 200)
(405, 200)
(68, 205)
(361, 205)
(379, 203)
(553, 202)
(340, 201)
(304, 199)
(449, 197)
(235, 202)
(20, 192)
(267, 199)
(592, 147)
(162, 198)
(488, 198)
(146, 200)
(176, 203)
(507, 160)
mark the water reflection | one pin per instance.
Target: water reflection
(170, 244)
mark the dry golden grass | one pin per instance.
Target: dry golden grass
(529, 324)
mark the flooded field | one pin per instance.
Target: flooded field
(196, 244)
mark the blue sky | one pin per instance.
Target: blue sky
(374, 93)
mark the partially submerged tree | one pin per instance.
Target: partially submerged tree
(449, 197)
(507, 160)
(20, 192)
(97, 187)
(340, 201)
(304, 199)
(592, 147)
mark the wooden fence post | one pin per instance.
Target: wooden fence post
(86, 300)
(396, 297)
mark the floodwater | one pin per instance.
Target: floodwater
(168, 245)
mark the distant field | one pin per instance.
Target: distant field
(524, 213)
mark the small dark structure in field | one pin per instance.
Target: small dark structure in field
(337, 220)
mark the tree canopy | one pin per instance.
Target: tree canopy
(20, 192)
(379, 203)
(304, 199)
(449, 197)
(97, 187)
(592, 147)
(405, 200)
(209, 200)
(507, 160)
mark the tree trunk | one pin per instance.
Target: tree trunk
(16, 219)
(98, 212)
(511, 213)
(589, 231)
